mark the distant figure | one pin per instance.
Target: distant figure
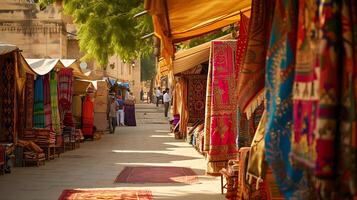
(141, 95)
(129, 111)
(120, 112)
(112, 114)
(158, 96)
(167, 100)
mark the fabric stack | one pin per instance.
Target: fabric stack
(69, 134)
(45, 137)
(29, 135)
(31, 150)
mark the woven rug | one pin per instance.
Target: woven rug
(106, 194)
(157, 175)
(196, 96)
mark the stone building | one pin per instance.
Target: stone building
(49, 33)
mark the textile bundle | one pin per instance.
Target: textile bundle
(29, 94)
(56, 121)
(87, 116)
(279, 81)
(7, 97)
(222, 130)
(196, 96)
(47, 101)
(39, 114)
(65, 90)
(250, 89)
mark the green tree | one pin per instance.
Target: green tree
(148, 70)
(108, 27)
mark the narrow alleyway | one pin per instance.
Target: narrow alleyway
(96, 164)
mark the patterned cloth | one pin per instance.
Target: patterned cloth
(56, 121)
(347, 164)
(251, 73)
(242, 42)
(87, 116)
(65, 90)
(39, 114)
(279, 84)
(7, 97)
(223, 106)
(29, 96)
(47, 101)
(196, 96)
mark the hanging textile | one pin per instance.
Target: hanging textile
(252, 72)
(196, 96)
(223, 106)
(39, 114)
(56, 121)
(65, 90)
(180, 104)
(347, 163)
(87, 117)
(7, 97)
(242, 41)
(30, 87)
(305, 92)
(208, 107)
(279, 83)
(77, 106)
(47, 101)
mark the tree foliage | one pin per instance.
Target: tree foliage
(148, 67)
(108, 27)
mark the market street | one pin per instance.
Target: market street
(96, 164)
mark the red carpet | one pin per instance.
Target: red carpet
(105, 194)
(157, 175)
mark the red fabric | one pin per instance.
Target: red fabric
(87, 117)
(106, 194)
(157, 175)
(47, 101)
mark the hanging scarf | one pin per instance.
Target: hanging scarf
(56, 121)
(242, 42)
(39, 114)
(47, 101)
(223, 106)
(87, 116)
(65, 90)
(251, 73)
(279, 83)
(30, 87)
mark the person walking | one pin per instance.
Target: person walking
(167, 100)
(158, 96)
(120, 112)
(112, 114)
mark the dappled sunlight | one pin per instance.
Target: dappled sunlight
(162, 131)
(160, 136)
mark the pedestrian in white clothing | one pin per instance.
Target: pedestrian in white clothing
(158, 96)
(120, 112)
(167, 100)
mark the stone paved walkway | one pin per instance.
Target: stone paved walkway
(96, 164)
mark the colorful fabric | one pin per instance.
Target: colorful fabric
(252, 73)
(39, 114)
(223, 106)
(65, 90)
(208, 107)
(47, 101)
(347, 163)
(87, 117)
(29, 96)
(7, 97)
(196, 96)
(279, 84)
(129, 115)
(56, 121)
(242, 42)
(180, 104)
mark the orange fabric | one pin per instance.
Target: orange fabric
(180, 104)
(176, 21)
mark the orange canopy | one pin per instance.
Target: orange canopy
(179, 20)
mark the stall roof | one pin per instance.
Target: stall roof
(175, 21)
(7, 48)
(74, 64)
(44, 66)
(81, 86)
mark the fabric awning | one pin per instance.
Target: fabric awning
(178, 20)
(74, 64)
(80, 86)
(44, 66)
(7, 48)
